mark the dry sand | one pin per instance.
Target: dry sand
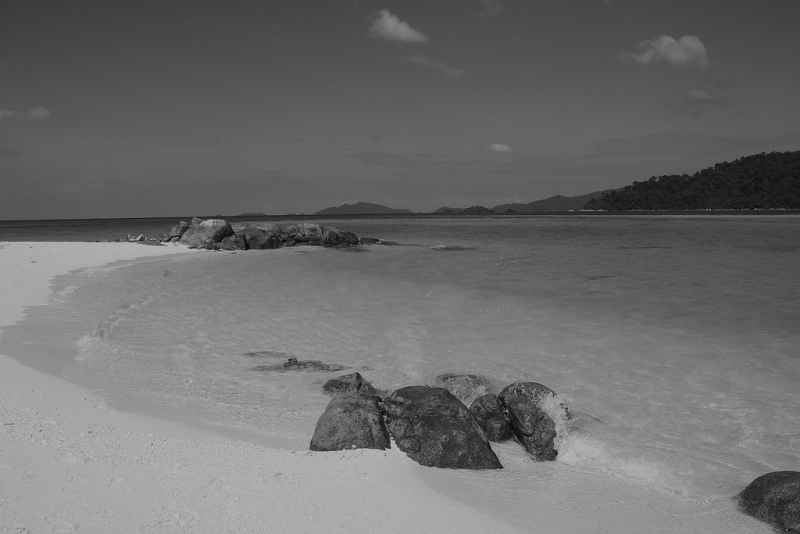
(70, 463)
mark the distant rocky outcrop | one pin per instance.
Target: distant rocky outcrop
(361, 208)
(775, 499)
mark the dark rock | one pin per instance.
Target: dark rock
(351, 421)
(530, 424)
(368, 240)
(337, 238)
(352, 383)
(179, 229)
(435, 429)
(256, 238)
(465, 387)
(290, 242)
(208, 231)
(492, 417)
(775, 499)
(234, 242)
(311, 365)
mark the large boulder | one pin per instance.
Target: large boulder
(205, 232)
(492, 418)
(333, 237)
(351, 421)
(179, 229)
(352, 383)
(774, 498)
(531, 425)
(256, 238)
(234, 242)
(435, 429)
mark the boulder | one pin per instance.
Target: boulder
(530, 424)
(333, 237)
(775, 499)
(352, 383)
(351, 421)
(256, 238)
(435, 429)
(208, 231)
(368, 240)
(234, 242)
(179, 229)
(492, 417)
(311, 365)
(310, 230)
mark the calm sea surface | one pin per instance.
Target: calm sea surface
(680, 335)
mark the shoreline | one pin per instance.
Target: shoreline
(69, 463)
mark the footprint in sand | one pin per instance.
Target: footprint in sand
(118, 484)
(180, 518)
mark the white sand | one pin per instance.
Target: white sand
(69, 463)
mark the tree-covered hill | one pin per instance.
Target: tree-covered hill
(761, 181)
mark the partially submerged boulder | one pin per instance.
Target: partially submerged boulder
(351, 421)
(311, 365)
(333, 237)
(491, 417)
(206, 232)
(531, 425)
(352, 383)
(435, 429)
(775, 499)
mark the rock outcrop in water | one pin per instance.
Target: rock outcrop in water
(774, 498)
(531, 425)
(352, 383)
(218, 234)
(435, 429)
(491, 415)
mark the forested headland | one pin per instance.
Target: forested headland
(761, 181)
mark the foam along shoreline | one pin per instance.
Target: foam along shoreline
(69, 463)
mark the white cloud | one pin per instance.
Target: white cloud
(444, 70)
(688, 51)
(389, 27)
(38, 114)
(35, 114)
(498, 147)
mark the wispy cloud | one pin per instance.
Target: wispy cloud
(688, 51)
(492, 7)
(35, 114)
(704, 98)
(693, 103)
(498, 148)
(390, 27)
(441, 68)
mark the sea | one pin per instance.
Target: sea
(676, 338)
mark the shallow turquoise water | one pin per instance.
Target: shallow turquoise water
(680, 334)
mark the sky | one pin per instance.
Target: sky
(153, 108)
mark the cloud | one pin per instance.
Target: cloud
(688, 51)
(492, 7)
(698, 96)
(499, 148)
(441, 68)
(693, 103)
(35, 114)
(389, 27)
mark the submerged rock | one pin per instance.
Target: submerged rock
(492, 418)
(530, 424)
(435, 429)
(352, 383)
(311, 365)
(466, 387)
(351, 421)
(774, 498)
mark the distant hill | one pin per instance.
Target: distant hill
(360, 208)
(252, 214)
(556, 203)
(761, 181)
(445, 209)
(470, 210)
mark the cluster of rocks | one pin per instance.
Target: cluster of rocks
(218, 234)
(432, 426)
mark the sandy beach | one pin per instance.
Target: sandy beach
(71, 463)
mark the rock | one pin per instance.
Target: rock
(530, 424)
(466, 387)
(368, 240)
(333, 237)
(208, 231)
(179, 229)
(352, 383)
(256, 238)
(351, 421)
(234, 242)
(435, 429)
(491, 417)
(310, 230)
(311, 365)
(775, 499)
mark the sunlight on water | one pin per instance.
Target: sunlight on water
(673, 339)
